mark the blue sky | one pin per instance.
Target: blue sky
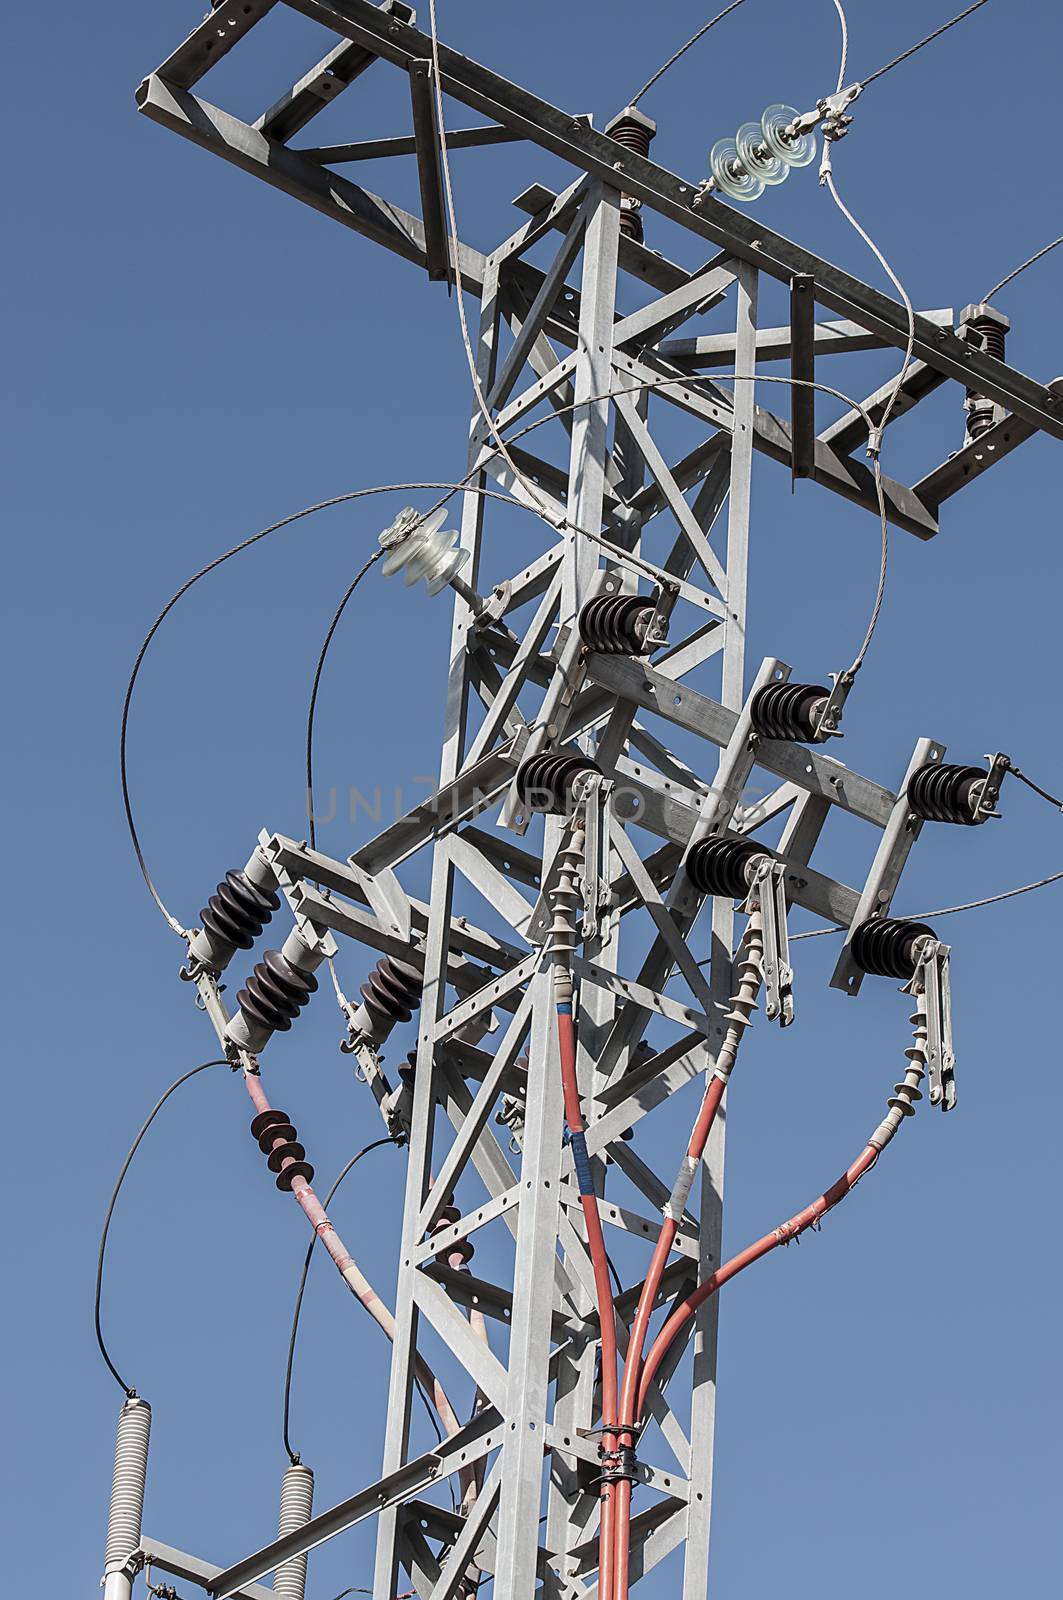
(194, 355)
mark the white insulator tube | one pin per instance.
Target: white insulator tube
(127, 1497)
(297, 1504)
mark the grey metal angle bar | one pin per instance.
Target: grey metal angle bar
(497, 992)
(317, 88)
(640, 994)
(687, 708)
(458, 1155)
(585, 1450)
(478, 1360)
(471, 1443)
(699, 294)
(471, 792)
(746, 236)
(898, 837)
(773, 344)
(429, 170)
(532, 324)
(771, 436)
(406, 145)
(464, 1547)
(968, 463)
(850, 431)
(365, 213)
(446, 1238)
(630, 1222)
(803, 372)
(153, 1553)
(212, 39)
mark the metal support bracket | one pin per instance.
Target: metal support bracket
(768, 889)
(933, 982)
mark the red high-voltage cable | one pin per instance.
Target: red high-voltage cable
(566, 1039)
(743, 1003)
(782, 1235)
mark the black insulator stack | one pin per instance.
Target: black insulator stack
(616, 624)
(992, 326)
(718, 866)
(788, 711)
(945, 793)
(392, 992)
(461, 1247)
(545, 782)
(279, 1143)
(887, 947)
(237, 911)
(634, 131)
(276, 992)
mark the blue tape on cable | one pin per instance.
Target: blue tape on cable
(582, 1162)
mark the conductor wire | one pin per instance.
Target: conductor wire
(672, 59)
(134, 1147)
(904, 55)
(1021, 268)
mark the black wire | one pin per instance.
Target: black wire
(1036, 787)
(945, 26)
(333, 625)
(702, 31)
(131, 1392)
(1022, 268)
(353, 1162)
(616, 1275)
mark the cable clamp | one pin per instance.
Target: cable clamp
(874, 443)
(619, 1466)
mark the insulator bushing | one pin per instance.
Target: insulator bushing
(945, 793)
(296, 1508)
(390, 995)
(634, 131)
(788, 711)
(461, 1247)
(279, 1143)
(992, 326)
(545, 782)
(235, 914)
(127, 1492)
(887, 947)
(718, 866)
(616, 624)
(276, 992)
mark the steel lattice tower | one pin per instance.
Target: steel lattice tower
(555, 334)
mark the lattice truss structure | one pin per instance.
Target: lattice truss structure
(626, 520)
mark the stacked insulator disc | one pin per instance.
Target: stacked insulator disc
(718, 866)
(616, 624)
(945, 793)
(237, 911)
(391, 993)
(461, 1247)
(279, 1143)
(887, 947)
(788, 711)
(634, 131)
(545, 782)
(276, 992)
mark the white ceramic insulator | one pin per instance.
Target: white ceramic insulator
(421, 548)
(297, 1504)
(127, 1495)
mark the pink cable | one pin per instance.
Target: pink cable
(348, 1268)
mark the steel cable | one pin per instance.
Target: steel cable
(904, 55)
(1021, 268)
(672, 59)
(131, 1392)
